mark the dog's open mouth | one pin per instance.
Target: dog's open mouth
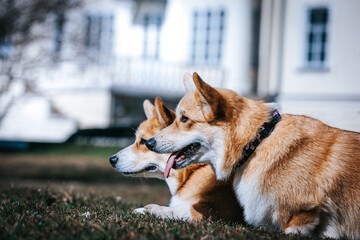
(179, 157)
(149, 168)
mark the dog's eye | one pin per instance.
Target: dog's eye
(142, 141)
(184, 118)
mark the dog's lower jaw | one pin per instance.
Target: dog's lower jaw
(199, 157)
(185, 163)
(158, 175)
(181, 165)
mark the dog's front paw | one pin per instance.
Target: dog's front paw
(140, 210)
(291, 230)
(157, 210)
(297, 230)
(152, 208)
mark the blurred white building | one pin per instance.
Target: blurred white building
(143, 48)
(303, 53)
(310, 59)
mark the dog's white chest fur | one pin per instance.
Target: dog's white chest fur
(259, 209)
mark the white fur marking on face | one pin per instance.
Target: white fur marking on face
(131, 162)
(211, 150)
(166, 143)
(126, 158)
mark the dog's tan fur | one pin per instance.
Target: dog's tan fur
(303, 178)
(196, 193)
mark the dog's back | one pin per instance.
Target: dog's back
(308, 175)
(318, 165)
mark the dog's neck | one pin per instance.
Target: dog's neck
(263, 132)
(249, 118)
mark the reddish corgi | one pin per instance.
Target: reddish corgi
(292, 172)
(196, 194)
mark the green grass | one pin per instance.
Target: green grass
(28, 213)
(44, 194)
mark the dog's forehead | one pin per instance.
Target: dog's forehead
(190, 106)
(186, 103)
(148, 128)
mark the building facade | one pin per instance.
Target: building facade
(108, 56)
(309, 51)
(143, 48)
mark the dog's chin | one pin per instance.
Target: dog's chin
(194, 159)
(182, 164)
(137, 173)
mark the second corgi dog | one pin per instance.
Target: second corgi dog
(293, 172)
(196, 194)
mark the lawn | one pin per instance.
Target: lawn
(72, 192)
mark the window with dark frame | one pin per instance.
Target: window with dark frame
(59, 32)
(207, 41)
(317, 38)
(99, 33)
(152, 29)
(5, 47)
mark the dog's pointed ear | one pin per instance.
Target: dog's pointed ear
(149, 109)
(212, 102)
(189, 83)
(166, 116)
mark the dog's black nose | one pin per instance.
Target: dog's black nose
(113, 160)
(151, 143)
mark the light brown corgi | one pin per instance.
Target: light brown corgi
(196, 194)
(292, 172)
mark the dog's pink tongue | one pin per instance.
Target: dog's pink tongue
(169, 165)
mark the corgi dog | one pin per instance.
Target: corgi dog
(292, 172)
(196, 194)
